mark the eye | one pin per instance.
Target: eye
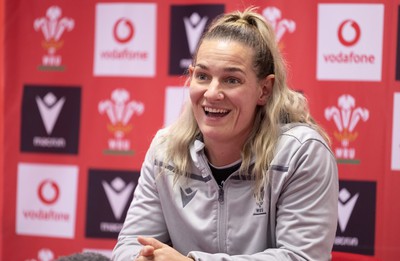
(232, 80)
(201, 76)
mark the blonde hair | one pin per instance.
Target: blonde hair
(283, 106)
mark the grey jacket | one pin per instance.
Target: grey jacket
(296, 220)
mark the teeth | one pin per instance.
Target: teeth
(213, 110)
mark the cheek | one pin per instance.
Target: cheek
(247, 104)
(195, 93)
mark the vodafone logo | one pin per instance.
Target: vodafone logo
(125, 39)
(48, 192)
(350, 42)
(46, 201)
(123, 30)
(349, 32)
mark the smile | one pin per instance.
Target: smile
(213, 112)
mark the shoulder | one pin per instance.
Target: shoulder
(158, 142)
(300, 133)
(300, 137)
(301, 154)
(160, 136)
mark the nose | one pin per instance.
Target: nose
(214, 91)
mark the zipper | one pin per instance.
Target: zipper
(222, 219)
(221, 193)
(221, 226)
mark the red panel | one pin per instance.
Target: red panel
(342, 256)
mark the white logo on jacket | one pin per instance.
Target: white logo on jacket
(187, 195)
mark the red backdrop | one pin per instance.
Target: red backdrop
(87, 86)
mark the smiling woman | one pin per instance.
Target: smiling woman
(245, 172)
(225, 93)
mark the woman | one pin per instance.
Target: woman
(245, 173)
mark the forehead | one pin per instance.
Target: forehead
(219, 51)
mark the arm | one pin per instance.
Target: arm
(307, 208)
(144, 217)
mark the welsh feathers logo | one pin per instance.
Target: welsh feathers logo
(119, 110)
(346, 116)
(281, 25)
(53, 26)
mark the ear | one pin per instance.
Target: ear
(191, 70)
(266, 89)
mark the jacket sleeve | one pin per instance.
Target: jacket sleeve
(306, 209)
(144, 217)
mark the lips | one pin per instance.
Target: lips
(214, 112)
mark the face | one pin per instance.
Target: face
(225, 91)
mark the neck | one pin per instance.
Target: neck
(222, 154)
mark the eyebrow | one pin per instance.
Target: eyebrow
(227, 69)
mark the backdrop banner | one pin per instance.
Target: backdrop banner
(88, 84)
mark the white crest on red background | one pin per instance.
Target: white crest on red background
(53, 26)
(120, 110)
(346, 116)
(281, 25)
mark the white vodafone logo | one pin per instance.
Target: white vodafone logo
(349, 32)
(48, 192)
(123, 30)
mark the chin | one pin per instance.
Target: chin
(211, 133)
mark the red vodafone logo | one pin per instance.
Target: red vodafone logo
(123, 30)
(349, 32)
(48, 191)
